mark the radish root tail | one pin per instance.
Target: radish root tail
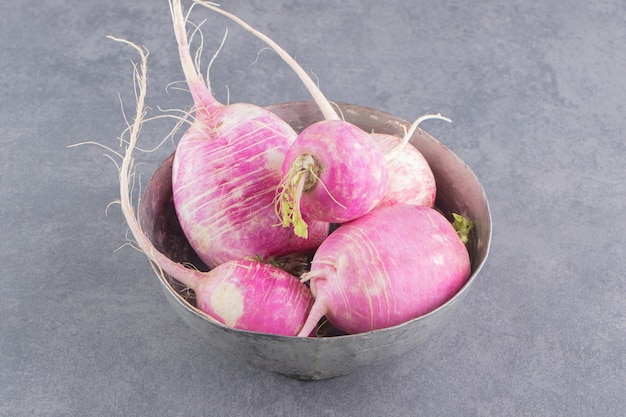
(409, 133)
(199, 88)
(165, 265)
(317, 312)
(325, 106)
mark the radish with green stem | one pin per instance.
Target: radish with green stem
(226, 169)
(244, 294)
(389, 266)
(410, 179)
(333, 172)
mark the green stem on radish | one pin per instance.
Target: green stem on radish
(301, 177)
(463, 227)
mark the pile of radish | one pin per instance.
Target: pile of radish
(249, 190)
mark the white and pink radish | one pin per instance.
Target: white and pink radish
(249, 295)
(243, 294)
(226, 169)
(333, 172)
(389, 266)
(410, 179)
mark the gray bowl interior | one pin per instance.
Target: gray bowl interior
(458, 190)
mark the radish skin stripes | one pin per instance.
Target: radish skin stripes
(409, 178)
(226, 170)
(376, 272)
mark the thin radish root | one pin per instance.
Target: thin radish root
(187, 276)
(327, 109)
(126, 173)
(411, 130)
(231, 293)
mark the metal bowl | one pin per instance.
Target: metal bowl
(458, 190)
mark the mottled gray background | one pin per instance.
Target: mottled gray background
(536, 90)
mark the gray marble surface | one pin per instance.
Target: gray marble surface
(537, 93)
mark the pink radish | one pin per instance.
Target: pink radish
(245, 294)
(225, 173)
(410, 179)
(391, 265)
(334, 172)
(252, 295)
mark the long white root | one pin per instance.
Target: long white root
(187, 276)
(325, 106)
